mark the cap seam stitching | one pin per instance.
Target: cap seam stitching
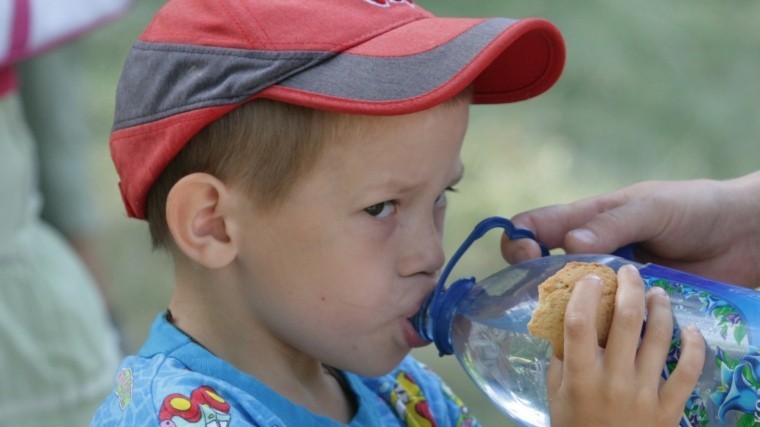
(240, 27)
(169, 47)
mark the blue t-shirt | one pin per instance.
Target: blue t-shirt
(174, 382)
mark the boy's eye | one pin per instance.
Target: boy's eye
(441, 200)
(381, 210)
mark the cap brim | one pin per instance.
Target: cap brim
(505, 60)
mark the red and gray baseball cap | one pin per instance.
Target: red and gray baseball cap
(199, 59)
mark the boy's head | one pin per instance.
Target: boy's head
(201, 59)
(300, 153)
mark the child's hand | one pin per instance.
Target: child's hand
(621, 385)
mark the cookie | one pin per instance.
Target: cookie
(548, 320)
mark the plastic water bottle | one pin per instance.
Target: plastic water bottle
(484, 323)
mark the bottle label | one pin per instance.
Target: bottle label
(729, 319)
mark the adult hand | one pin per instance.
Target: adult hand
(707, 227)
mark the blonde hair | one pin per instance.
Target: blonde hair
(263, 146)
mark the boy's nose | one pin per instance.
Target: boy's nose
(423, 249)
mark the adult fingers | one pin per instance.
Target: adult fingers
(598, 224)
(613, 228)
(551, 223)
(519, 250)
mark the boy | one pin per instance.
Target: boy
(294, 158)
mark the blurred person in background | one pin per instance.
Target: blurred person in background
(58, 348)
(55, 113)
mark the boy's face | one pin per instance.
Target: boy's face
(335, 272)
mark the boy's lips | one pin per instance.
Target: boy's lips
(413, 339)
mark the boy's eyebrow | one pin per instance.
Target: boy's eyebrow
(403, 187)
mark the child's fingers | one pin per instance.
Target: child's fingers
(657, 337)
(679, 386)
(580, 327)
(553, 376)
(625, 330)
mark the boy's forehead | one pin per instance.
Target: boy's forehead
(358, 128)
(377, 142)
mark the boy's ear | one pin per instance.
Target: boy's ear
(196, 213)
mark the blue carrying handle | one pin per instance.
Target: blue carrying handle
(441, 302)
(484, 226)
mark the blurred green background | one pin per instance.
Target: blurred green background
(663, 89)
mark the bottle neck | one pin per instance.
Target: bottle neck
(433, 321)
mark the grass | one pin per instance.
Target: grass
(651, 90)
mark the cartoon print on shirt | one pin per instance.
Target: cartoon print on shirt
(204, 408)
(409, 403)
(123, 390)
